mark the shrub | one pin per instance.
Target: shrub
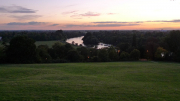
(135, 54)
(124, 56)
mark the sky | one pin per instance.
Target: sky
(89, 14)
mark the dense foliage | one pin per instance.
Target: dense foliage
(89, 38)
(127, 46)
(41, 35)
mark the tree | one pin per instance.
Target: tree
(123, 46)
(93, 52)
(113, 55)
(173, 41)
(134, 41)
(103, 55)
(58, 50)
(74, 56)
(42, 54)
(124, 56)
(84, 52)
(2, 54)
(151, 46)
(178, 55)
(89, 38)
(60, 35)
(135, 54)
(21, 50)
(160, 53)
(1, 51)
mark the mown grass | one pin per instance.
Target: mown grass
(119, 81)
(51, 43)
(37, 43)
(48, 43)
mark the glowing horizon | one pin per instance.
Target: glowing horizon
(90, 15)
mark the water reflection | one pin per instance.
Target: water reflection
(79, 41)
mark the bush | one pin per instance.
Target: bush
(74, 56)
(60, 61)
(103, 55)
(95, 59)
(135, 54)
(124, 56)
(160, 53)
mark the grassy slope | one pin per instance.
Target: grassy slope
(49, 43)
(121, 81)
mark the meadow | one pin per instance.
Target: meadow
(48, 43)
(111, 81)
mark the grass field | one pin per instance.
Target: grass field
(114, 81)
(49, 43)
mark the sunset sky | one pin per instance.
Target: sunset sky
(89, 14)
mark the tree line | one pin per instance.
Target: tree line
(41, 35)
(127, 46)
(22, 49)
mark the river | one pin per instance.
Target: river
(79, 41)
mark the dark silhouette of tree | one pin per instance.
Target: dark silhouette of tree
(93, 52)
(90, 39)
(123, 46)
(84, 52)
(74, 56)
(160, 53)
(103, 55)
(173, 41)
(124, 56)
(42, 54)
(151, 46)
(2, 54)
(113, 55)
(21, 50)
(134, 41)
(135, 54)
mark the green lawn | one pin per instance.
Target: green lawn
(49, 43)
(112, 81)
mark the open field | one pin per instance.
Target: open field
(120, 81)
(48, 43)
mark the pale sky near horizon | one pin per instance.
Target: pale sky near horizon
(89, 14)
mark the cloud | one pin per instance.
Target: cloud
(26, 23)
(110, 22)
(69, 12)
(114, 25)
(101, 25)
(115, 22)
(111, 13)
(136, 22)
(75, 16)
(16, 9)
(54, 24)
(25, 17)
(90, 14)
(178, 20)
